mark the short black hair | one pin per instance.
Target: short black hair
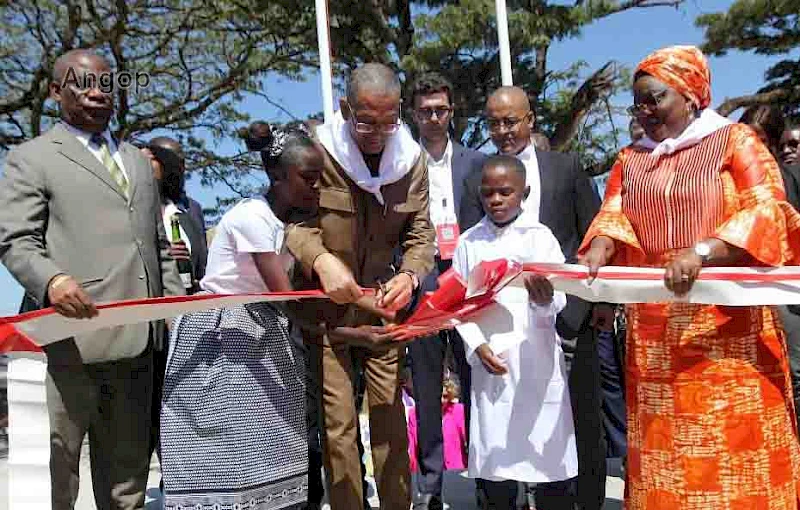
(165, 142)
(167, 150)
(769, 118)
(431, 83)
(506, 161)
(372, 76)
(68, 59)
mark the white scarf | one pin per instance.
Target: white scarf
(708, 122)
(399, 156)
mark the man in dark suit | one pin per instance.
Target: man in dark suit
(169, 170)
(79, 224)
(449, 163)
(169, 167)
(561, 198)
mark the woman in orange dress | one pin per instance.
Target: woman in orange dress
(710, 414)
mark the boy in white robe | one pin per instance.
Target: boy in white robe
(521, 428)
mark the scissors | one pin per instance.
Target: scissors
(382, 284)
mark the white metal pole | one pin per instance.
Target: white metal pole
(325, 73)
(502, 40)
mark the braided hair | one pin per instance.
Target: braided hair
(278, 147)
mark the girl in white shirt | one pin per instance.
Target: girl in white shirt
(521, 428)
(233, 421)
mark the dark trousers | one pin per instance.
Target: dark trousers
(427, 357)
(111, 402)
(310, 355)
(612, 384)
(585, 393)
(505, 495)
(159, 370)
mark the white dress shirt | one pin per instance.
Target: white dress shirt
(86, 140)
(532, 179)
(440, 188)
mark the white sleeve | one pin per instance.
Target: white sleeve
(547, 249)
(460, 261)
(473, 337)
(469, 332)
(253, 231)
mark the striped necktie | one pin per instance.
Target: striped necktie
(111, 165)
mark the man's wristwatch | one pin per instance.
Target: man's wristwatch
(413, 275)
(703, 250)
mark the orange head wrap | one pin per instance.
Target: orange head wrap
(683, 68)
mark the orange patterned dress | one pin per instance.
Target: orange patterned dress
(710, 414)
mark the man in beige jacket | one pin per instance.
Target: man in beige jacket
(373, 209)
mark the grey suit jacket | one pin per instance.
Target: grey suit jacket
(61, 212)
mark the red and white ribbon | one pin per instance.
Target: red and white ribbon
(452, 304)
(31, 330)
(731, 286)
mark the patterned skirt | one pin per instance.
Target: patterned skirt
(710, 412)
(233, 429)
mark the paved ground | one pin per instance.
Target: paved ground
(458, 490)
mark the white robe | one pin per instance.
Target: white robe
(521, 426)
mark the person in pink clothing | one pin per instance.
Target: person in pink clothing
(407, 393)
(454, 428)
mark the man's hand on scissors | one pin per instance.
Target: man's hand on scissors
(396, 294)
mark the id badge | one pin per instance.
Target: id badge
(447, 240)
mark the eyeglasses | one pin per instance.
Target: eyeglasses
(364, 128)
(427, 113)
(508, 123)
(649, 103)
(368, 129)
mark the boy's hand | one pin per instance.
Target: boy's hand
(540, 290)
(490, 361)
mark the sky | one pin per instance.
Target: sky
(626, 38)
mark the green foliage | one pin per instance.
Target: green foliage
(204, 57)
(765, 27)
(572, 106)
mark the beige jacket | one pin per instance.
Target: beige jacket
(365, 235)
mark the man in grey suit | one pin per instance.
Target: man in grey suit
(449, 163)
(80, 223)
